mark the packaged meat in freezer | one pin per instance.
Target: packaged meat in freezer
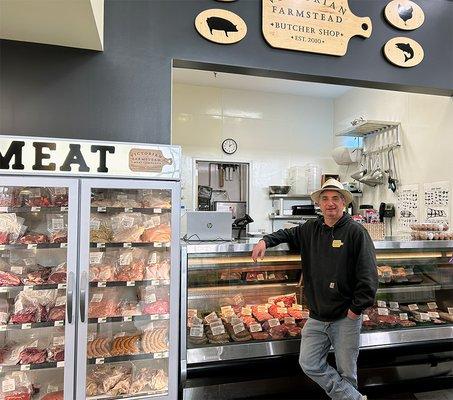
(55, 353)
(57, 228)
(58, 274)
(125, 345)
(100, 229)
(158, 307)
(9, 279)
(10, 227)
(57, 313)
(127, 227)
(155, 340)
(130, 265)
(238, 332)
(157, 269)
(102, 267)
(155, 198)
(58, 196)
(33, 355)
(4, 311)
(99, 347)
(112, 380)
(121, 200)
(9, 196)
(33, 238)
(38, 276)
(16, 386)
(160, 234)
(35, 197)
(32, 306)
(102, 306)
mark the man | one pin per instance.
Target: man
(340, 281)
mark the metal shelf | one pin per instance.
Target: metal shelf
(151, 317)
(31, 367)
(33, 246)
(131, 357)
(153, 282)
(33, 209)
(129, 245)
(131, 209)
(6, 289)
(366, 128)
(13, 327)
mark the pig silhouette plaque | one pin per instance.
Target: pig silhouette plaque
(403, 52)
(404, 14)
(220, 26)
(316, 26)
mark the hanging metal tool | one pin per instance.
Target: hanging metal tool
(392, 179)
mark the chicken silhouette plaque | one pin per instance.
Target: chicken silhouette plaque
(220, 26)
(404, 14)
(404, 52)
(316, 26)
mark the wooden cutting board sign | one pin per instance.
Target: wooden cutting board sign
(317, 26)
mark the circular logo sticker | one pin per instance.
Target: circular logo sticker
(220, 26)
(404, 14)
(404, 52)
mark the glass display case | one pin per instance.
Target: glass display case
(235, 309)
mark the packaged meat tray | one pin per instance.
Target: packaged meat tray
(238, 332)
(102, 267)
(58, 274)
(54, 396)
(16, 386)
(10, 279)
(158, 269)
(159, 234)
(155, 340)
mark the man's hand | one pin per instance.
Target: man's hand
(352, 315)
(259, 250)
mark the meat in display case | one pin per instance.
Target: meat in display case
(128, 278)
(37, 267)
(236, 311)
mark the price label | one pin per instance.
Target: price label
(195, 321)
(450, 310)
(52, 388)
(127, 319)
(238, 328)
(128, 209)
(152, 258)
(271, 276)
(235, 320)
(100, 245)
(215, 323)
(262, 309)
(433, 314)
(394, 305)
(102, 320)
(383, 311)
(3, 319)
(192, 312)
(3, 209)
(365, 318)
(58, 323)
(29, 261)
(424, 317)
(225, 309)
(35, 209)
(238, 299)
(127, 222)
(255, 328)
(8, 385)
(155, 282)
(413, 307)
(127, 245)
(273, 322)
(228, 313)
(165, 354)
(282, 310)
(99, 361)
(25, 367)
(211, 317)
(297, 307)
(158, 210)
(196, 331)
(218, 330)
(102, 209)
(432, 305)
(403, 317)
(158, 244)
(130, 283)
(382, 303)
(150, 298)
(2, 247)
(26, 326)
(65, 208)
(246, 311)
(61, 300)
(57, 224)
(165, 316)
(97, 298)
(95, 224)
(60, 364)
(125, 258)
(102, 284)
(32, 246)
(58, 341)
(290, 320)
(17, 270)
(158, 355)
(154, 317)
(260, 277)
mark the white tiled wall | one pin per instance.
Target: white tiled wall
(273, 132)
(427, 134)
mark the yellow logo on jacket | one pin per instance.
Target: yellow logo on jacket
(337, 243)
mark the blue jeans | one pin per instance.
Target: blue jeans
(344, 336)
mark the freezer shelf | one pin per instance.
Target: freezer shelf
(6, 289)
(31, 367)
(135, 357)
(33, 209)
(36, 325)
(144, 395)
(154, 282)
(107, 320)
(129, 245)
(130, 210)
(33, 246)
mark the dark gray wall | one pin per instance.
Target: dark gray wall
(124, 93)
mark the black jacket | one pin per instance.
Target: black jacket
(338, 265)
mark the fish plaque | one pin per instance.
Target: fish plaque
(220, 26)
(316, 26)
(404, 52)
(404, 14)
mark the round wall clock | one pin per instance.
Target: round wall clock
(229, 146)
(404, 14)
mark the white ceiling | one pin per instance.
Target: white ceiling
(72, 23)
(257, 83)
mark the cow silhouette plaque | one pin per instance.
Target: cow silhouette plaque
(404, 14)
(404, 52)
(317, 26)
(220, 26)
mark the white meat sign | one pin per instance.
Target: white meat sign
(317, 26)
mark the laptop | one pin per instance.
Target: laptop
(209, 225)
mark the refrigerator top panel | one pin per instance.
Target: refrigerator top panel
(24, 155)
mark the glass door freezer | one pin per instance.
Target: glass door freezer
(38, 264)
(128, 290)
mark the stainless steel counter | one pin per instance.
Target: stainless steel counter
(246, 245)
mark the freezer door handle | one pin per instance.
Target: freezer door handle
(70, 296)
(83, 292)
